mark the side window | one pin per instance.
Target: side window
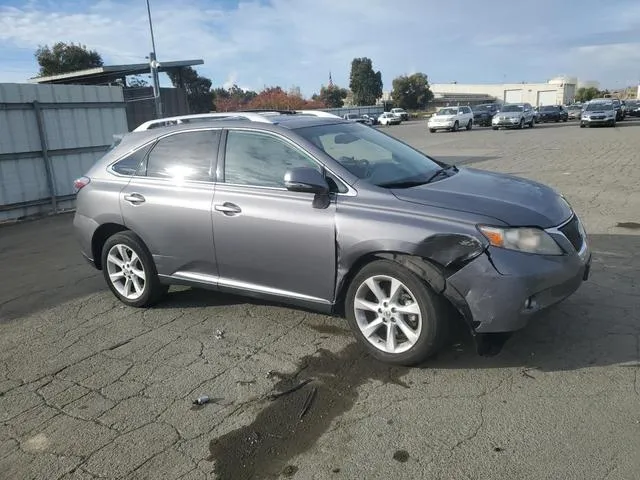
(185, 155)
(260, 159)
(130, 164)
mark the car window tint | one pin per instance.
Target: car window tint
(260, 159)
(130, 164)
(185, 156)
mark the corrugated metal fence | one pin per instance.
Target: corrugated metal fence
(50, 135)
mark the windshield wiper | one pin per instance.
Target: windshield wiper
(416, 183)
(440, 172)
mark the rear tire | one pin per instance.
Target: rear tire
(130, 271)
(424, 317)
(531, 123)
(494, 128)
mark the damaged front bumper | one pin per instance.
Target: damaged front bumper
(501, 290)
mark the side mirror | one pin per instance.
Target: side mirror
(305, 179)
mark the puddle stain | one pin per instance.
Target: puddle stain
(330, 329)
(263, 448)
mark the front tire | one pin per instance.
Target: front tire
(432, 130)
(469, 125)
(394, 314)
(521, 124)
(130, 272)
(495, 128)
(456, 127)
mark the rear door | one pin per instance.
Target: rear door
(268, 239)
(168, 203)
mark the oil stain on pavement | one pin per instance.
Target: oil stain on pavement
(291, 423)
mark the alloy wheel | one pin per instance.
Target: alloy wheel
(388, 314)
(126, 271)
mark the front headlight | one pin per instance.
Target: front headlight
(522, 239)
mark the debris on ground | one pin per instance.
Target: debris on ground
(308, 402)
(525, 373)
(219, 334)
(498, 449)
(201, 400)
(401, 456)
(289, 470)
(253, 438)
(273, 396)
(270, 374)
(336, 470)
(245, 382)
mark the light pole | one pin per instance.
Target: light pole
(153, 64)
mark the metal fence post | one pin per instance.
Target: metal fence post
(45, 155)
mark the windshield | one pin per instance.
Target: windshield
(591, 107)
(574, 107)
(447, 111)
(511, 108)
(548, 108)
(370, 154)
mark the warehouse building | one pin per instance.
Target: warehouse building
(557, 91)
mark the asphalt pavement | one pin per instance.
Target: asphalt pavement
(90, 388)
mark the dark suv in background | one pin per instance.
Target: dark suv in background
(552, 113)
(331, 215)
(482, 114)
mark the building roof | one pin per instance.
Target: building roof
(109, 73)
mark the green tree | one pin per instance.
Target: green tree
(199, 94)
(584, 94)
(65, 58)
(332, 96)
(365, 84)
(136, 81)
(412, 91)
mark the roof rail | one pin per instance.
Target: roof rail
(261, 116)
(163, 122)
(318, 113)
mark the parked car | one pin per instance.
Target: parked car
(388, 118)
(482, 114)
(617, 105)
(513, 115)
(400, 112)
(574, 112)
(333, 216)
(354, 117)
(552, 113)
(599, 112)
(536, 115)
(451, 119)
(370, 119)
(633, 108)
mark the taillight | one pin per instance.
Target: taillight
(81, 182)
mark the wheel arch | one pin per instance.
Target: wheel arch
(433, 260)
(99, 238)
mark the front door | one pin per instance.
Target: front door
(268, 239)
(168, 204)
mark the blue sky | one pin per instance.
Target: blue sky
(257, 43)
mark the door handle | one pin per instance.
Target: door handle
(134, 198)
(228, 208)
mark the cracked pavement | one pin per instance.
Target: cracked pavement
(90, 388)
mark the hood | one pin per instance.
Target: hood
(509, 114)
(512, 200)
(443, 117)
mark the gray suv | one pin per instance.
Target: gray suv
(332, 215)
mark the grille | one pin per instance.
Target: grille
(572, 232)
